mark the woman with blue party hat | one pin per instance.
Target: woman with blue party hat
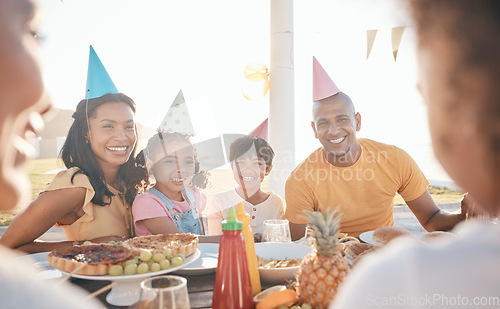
(92, 198)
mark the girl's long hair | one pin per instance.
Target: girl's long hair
(76, 152)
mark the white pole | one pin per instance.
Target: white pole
(282, 94)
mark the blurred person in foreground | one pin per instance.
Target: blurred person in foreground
(459, 73)
(21, 107)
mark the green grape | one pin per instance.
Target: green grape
(158, 257)
(130, 269)
(142, 268)
(306, 306)
(86, 243)
(177, 261)
(132, 261)
(181, 256)
(115, 270)
(145, 255)
(165, 264)
(167, 253)
(155, 267)
(150, 262)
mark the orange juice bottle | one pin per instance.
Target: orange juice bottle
(250, 247)
(232, 287)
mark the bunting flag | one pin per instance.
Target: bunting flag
(397, 34)
(370, 39)
(261, 130)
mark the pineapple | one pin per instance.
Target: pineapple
(323, 270)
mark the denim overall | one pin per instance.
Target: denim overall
(187, 222)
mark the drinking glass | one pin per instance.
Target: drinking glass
(164, 292)
(276, 231)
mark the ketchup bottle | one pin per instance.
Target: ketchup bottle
(232, 288)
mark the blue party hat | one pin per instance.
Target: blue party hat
(99, 82)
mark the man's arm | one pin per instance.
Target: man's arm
(430, 216)
(297, 231)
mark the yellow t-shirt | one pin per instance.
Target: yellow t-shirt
(97, 221)
(364, 192)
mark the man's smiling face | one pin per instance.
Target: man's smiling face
(335, 124)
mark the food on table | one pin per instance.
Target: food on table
(117, 259)
(437, 236)
(355, 250)
(180, 243)
(261, 295)
(277, 263)
(90, 260)
(362, 255)
(150, 263)
(275, 297)
(383, 235)
(345, 241)
(322, 270)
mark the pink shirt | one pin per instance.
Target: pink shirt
(148, 206)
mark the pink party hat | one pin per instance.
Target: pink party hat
(323, 85)
(261, 130)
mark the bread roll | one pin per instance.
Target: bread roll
(383, 235)
(352, 252)
(437, 236)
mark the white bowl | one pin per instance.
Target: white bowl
(278, 250)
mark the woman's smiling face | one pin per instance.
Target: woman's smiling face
(112, 134)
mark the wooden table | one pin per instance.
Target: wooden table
(200, 289)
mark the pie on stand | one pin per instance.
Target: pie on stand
(127, 290)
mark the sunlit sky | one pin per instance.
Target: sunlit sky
(154, 48)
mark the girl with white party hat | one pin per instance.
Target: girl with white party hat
(175, 203)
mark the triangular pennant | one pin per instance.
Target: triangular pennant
(261, 130)
(99, 82)
(397, 34)
(370, 39)
(177, 119)
(323, 85)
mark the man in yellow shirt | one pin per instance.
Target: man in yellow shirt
(360, 177)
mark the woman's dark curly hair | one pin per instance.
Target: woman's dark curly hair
(77, 153)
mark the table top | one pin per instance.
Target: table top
(200, 290)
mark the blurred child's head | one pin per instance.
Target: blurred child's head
(171, 159)
(251, 159)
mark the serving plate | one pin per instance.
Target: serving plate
(367, 237)
(127, 290)
(206, 264)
